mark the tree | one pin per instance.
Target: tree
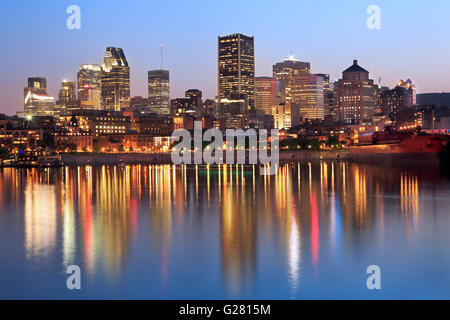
(315, 144)
(333, 142)
(290, 144)
(4, 154)
(121, 148)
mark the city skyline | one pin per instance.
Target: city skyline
(197, 67)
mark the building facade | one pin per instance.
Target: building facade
(115, 80)
(284, 71)
(89, 79)
(286, 116)
(308, 93)
(410, 89)
(159, 91)
(355, 95)
(236, 67)
(267, 93)
(394, 100)
(36, 100)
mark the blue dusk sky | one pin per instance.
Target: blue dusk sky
(413, 41)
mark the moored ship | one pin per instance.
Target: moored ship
(397, 144)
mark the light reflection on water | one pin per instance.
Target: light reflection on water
(224, 232)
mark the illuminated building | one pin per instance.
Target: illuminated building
(286, 115)
(355, 95)
(115, 81)
(308, 93)
(195, 96)
(236, 67)
(410, 89)
(20, 138)
(394, 100)
(139, 105)
(156, 126)
(181, 106)
(36, 100)
(232, 108)
(185, 121)
(73, 138)
(120, 142)
(67, 96)
(158, 91)
(284, 71)
(328, 94)
(98, 121)
(89, 79)
(267, 93)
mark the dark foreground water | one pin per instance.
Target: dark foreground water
(165, 232)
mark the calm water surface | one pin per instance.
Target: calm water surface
(166, 232)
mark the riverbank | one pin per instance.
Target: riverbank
(96, 159)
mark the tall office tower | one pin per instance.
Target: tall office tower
(115, 81)
(89, 79)
(236, 67)
(355, 95)
(36, 100)
(195, 96)
(158, 91)
(267, 93)
(328, 96)
(307, 91)
(284, 71)
(67, 92)
(410, 88)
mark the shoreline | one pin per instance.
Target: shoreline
(98, 159)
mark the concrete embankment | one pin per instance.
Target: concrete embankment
(97, 159)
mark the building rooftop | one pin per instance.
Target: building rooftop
(355, 68)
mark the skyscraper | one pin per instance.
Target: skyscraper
(158, 91)
(284, 71)
(236, 67)
(308, 93)
(267, 93)
(355, 95)
(410, 88)
(67, 96)
(89, 79)
(328, 94)
(36, 100)
(115, 81)
(67, 92)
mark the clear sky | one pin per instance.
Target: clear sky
(413, 42)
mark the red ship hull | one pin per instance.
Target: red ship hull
(415, 144)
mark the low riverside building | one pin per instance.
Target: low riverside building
(20, 139)
(74, 140)
(19, 133)
(132, 142)
(98, 121)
